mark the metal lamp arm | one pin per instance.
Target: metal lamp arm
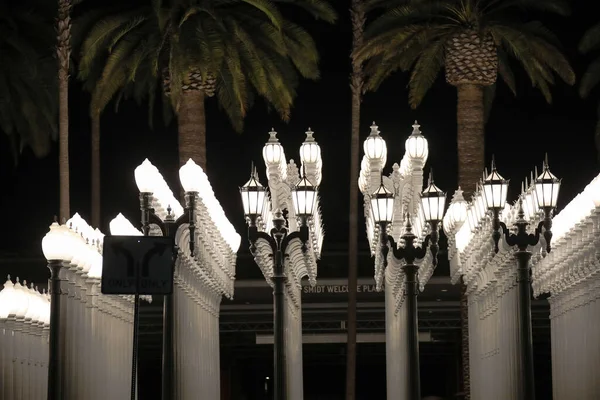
(500, 229)
(254, 234)
(547, 233)
(302, 234)
(155, 219)
(521, 239)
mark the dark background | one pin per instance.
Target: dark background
(519, 132)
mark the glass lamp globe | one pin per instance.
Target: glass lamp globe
(273, 151)
(191, 177)
(253, 196)
(32, 306)
(145, 175)
(7, 299)
(304, 196)
(310, 152)
(56, 244)
(495, 189)
(95, 271)
(416, 145)
(547, 187)
(22, 300)
(458, 208)
(594, 190)
(374, 146)
(433, 202)
(382, 205)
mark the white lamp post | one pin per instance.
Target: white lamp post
(204, 272)
(55, 246)
(23, 341)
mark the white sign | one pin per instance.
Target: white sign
(338, 289)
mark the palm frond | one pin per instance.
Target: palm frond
(590, 40)
(590, 78)
(425, 72)
(320, 9)
(559, 7)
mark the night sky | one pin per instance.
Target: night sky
(519, 132)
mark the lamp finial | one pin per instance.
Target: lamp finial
(374, 129)
(273, 136)
(416, 130)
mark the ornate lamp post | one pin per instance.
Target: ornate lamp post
(433, 202)
(254, 199)
(55, 246)
(202, 211)
(546, 188)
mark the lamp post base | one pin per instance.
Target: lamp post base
(525, 335)
(279, 358)
(412, 325)
(54, 367)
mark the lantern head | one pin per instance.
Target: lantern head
(304, 196)
(273, 150)
(310, 152)
(382, 205)
(253, 196)
(374, 146)
(416, 145)
(433, 202)
(495, 189)
(547, 187)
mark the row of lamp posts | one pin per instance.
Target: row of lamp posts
(409, 251)
(87, 335)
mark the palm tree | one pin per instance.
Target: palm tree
(63, 53)
(232, 49)
(471, 40)
(358, 17)
(90, 78)
(590, 79)
(27, 90)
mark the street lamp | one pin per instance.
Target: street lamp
(286, 249)
(160, 208)
(304, 196)
(547, 187)
(570, 274)
(433, 202)
(55, 246)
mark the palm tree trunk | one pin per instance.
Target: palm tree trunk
(470, 137)
(95, 178)
(63, 51)
(192, 128)
(357, 14)
(471, 162)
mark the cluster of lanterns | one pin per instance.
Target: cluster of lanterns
(24, 328)
(258, 205)
(540, 195)
(432, 206)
